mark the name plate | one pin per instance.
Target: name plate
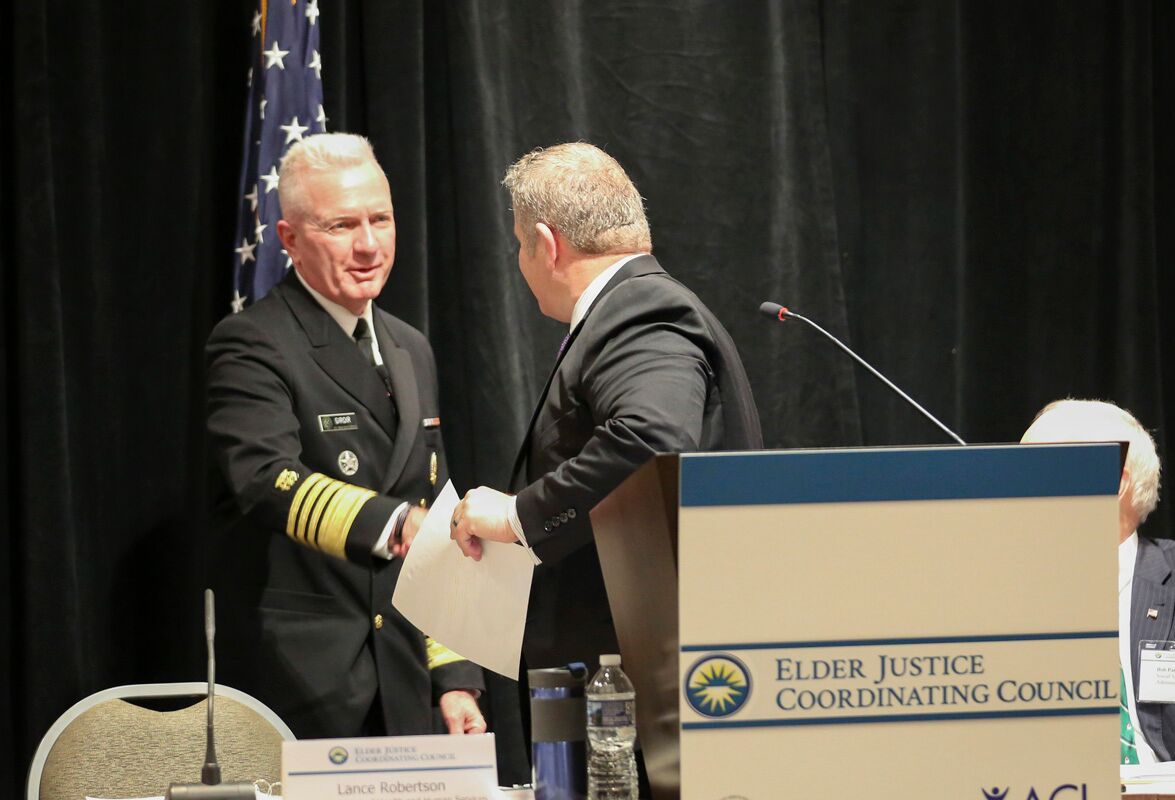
(1156, 672)
(391, 768)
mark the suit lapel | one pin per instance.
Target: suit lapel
(641, 265)
(336, 353)
(407, 395)
(1152, 590)
(517, 476)
(1152, 613)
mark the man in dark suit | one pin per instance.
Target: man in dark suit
(1146, 567)
(645, 368)
(323, 414)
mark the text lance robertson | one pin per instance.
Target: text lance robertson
(880, 693)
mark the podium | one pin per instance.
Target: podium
(882, 623)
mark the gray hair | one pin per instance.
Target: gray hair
(582, 192)
(321, 152)
(1097, 421)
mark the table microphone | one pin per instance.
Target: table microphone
(210, 787)
(782, 313)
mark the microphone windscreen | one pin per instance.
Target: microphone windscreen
(769, 309)
(209, 615)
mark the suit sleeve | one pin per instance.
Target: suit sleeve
(255, 435)
(644, 382)
(449, 671)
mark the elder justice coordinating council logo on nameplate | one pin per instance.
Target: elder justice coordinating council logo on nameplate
(717, 685)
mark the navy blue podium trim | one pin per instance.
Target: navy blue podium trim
(997, 637)
(931, 473)
(924, 717)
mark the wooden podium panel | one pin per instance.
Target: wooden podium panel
(916, 622)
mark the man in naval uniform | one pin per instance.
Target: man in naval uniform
(323, 414)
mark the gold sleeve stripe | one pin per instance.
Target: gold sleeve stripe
(313, 506)
(317, 506)
(305, 488)
(438, 654)
(336, 523)
(323, 511)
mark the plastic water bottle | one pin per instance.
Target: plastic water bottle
(611, 729)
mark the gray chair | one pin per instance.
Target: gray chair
(107, 746)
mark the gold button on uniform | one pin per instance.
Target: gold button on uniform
(379, 621)
(423, 503)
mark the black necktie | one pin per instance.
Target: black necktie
(362, 336)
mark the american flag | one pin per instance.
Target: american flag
(285, 103)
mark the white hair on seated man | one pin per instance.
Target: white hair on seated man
(1098, 421)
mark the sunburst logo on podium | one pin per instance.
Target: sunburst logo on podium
(717, 685)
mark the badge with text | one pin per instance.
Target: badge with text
(391, 768)
(344, 421)
(1156, 672)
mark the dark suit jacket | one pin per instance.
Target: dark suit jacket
(1153, 587)
(315, 458)
(649, 370)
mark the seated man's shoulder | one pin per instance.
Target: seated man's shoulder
(1152, 548)
(1166, 545)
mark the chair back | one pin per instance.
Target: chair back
(108, 746)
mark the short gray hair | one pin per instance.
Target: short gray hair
(1097, 421)
(582, 192)
(318, 153)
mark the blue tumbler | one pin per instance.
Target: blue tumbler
(558, 732)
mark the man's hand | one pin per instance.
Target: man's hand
(459, 708)
(482, 514)
(413, 518)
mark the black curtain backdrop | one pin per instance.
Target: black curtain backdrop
(975, 195)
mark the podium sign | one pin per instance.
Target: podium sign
(923, 622)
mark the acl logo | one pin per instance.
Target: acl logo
(1066, 791)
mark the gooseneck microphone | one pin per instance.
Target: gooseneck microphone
(210, 787)
(210, 772)
(782, 314)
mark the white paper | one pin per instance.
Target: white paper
(477, 609)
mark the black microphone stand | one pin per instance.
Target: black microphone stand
(210, 787)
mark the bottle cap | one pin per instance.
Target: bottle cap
(610, 660)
